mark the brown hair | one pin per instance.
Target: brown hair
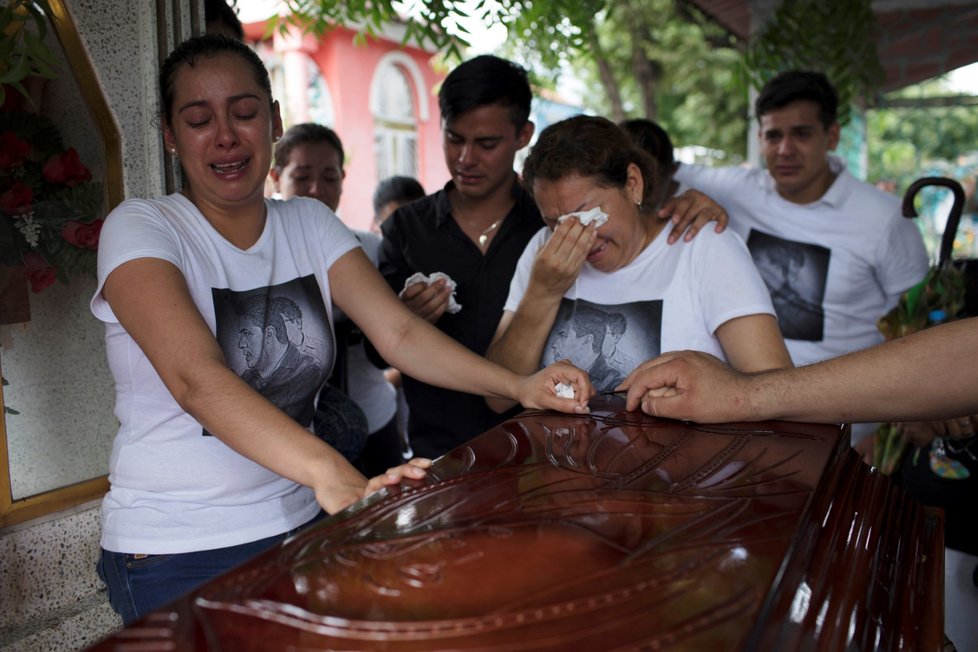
(588, 146)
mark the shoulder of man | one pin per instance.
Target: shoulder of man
(876, 203)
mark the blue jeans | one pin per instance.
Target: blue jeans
(139, 584)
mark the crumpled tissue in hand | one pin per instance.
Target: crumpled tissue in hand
(564, 390)
(418, 277)
(595, 215)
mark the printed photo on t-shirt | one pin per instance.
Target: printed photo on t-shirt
(279, 340)
(796, 274)
(607, 341)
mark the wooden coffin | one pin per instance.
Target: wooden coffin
(611, 531)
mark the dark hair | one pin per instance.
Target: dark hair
(617, 323)
(795, 85)
(588, 146)
(206, 46)
(648, 135)
(485, 80)
(220, 11)
(300, 134)
(399, 188)
(591, 321)
(264, 311)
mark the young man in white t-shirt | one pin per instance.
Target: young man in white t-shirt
(843, 250)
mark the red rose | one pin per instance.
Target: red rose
(81, 234)
(66, 168)
(40, 274)
(13, 150)
(17, 200)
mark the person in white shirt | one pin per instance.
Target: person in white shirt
(603, 294)
(835, 252)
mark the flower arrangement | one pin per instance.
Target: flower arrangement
(938, 298)
(48, 202)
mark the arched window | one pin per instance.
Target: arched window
(318, 98)
(392, 102)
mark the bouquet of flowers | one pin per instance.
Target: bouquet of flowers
(48, 202)
(940, 297)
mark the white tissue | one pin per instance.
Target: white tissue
(564, 390)
(595, 215)
(418, 277)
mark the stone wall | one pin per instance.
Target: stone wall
(51, 597)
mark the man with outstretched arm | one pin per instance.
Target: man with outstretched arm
(927, 375)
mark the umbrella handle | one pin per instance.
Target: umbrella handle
(951, 228)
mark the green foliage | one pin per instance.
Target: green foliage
(440, 24)
(426, 22)
(832, 36)
(938, 298)
(904, 143)
(23, 53)
(698, 95)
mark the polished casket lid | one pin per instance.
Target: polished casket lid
(608, 531)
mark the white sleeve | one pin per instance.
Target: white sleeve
(732, 286)
(524, 267)
(901, 257)
(134, 229)
(719, 184)
(336, 238)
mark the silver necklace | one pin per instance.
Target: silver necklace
(484, 236)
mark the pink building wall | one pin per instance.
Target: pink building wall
(349, 70)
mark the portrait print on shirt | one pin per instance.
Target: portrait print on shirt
(796, 274)
(608, 341)
(279, 340)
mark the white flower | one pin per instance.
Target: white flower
(29, 228)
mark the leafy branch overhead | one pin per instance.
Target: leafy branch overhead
(836, 37)
(441, 24)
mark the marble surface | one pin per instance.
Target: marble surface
(613, 531)
(52, 598)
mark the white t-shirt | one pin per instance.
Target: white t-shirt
(174, 487)
(670, 297)
(834, 267)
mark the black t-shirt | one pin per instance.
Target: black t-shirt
(423, 237)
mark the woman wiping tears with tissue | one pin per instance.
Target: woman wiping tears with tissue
(601, 287)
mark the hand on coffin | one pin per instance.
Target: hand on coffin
(540, 391)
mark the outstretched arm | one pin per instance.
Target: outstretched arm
(179, 344)
(927, 375)
(417, 348)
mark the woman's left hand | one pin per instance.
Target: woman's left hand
(539, 391)
(416, 469)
